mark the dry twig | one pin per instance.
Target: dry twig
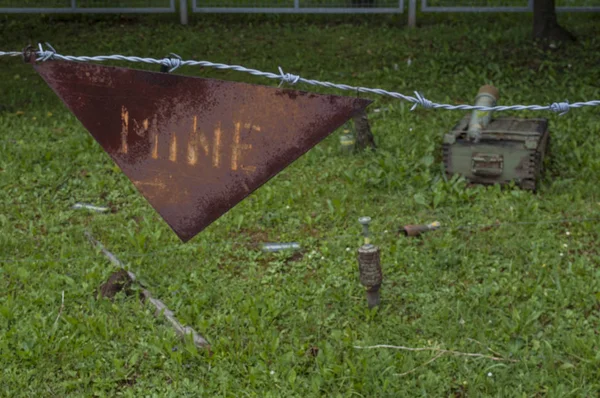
(439, 354)
(439, 350)
(161, 308)
(483, 345)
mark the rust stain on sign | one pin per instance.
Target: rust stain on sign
(194, 147)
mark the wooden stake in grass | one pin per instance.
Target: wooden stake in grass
(125, 278)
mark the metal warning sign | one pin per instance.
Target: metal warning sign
(194, 147)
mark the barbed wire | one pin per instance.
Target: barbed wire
(175, 61)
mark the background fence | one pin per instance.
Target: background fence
(299, 6)
(284, 6)
(87, 6)
(505, 5)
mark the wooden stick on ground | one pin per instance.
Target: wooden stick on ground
(161, 308)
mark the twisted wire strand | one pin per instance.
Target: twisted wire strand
(175, 61)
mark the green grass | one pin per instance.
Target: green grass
(530, 292)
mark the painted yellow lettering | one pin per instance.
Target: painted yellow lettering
(140, 130)
(155, 146)
(201, 137)
(217, 146)
(195, 139)
(173, 148)
(192, 156)
(154, 138)
(237, 147)
(124, 128)
(249, 126)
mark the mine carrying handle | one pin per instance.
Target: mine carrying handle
(487, 164)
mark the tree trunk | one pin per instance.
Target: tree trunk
(364, 137)
(545, 24)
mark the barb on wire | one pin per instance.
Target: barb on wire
(425, 103)
(10, 53)
(560, 107)
(173, 63)
(45, 55)
(288, 77)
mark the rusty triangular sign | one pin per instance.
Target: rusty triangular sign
(194, 147)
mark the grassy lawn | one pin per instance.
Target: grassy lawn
(283, 325)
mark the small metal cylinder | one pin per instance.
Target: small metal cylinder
(416, 230)
(487, 96)
(371, 277)
(364, 221)
(347, 142)
(275, 247)
(90, 207)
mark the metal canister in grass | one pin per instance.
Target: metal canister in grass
(371, 277)
(487, 96)
(347, 141)
(369, 266)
